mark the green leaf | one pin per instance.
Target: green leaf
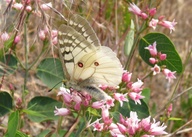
(42, 108)
(164, 45)
(142, 110)
(5, 103)
(146, 92)
(7, 45)
(129, 40)
(12, 124)
(9, 64)
(20, 134)
(175, 119)
(115, 115)
(93, 111)
(44, 133)
(80, 128)
(50, 71)
(62, 133)
(125, 109)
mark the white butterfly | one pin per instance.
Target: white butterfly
(87, 64)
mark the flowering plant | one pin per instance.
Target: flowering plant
(127, 110)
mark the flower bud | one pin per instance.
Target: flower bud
(4, 36)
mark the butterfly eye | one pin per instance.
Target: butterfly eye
(96, 63)
(80, 64)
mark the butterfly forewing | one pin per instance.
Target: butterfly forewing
(83, 27)
(73, 47)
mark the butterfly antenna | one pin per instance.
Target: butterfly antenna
(54, 86)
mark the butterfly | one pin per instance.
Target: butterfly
(86, 63)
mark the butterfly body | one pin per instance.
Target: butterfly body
(87, 64)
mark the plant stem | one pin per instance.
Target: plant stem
(26, 60)
(73, 126)
(142, 28)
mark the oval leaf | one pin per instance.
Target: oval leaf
(5, 103)
(9, 64)
(142, 110)
(50, 71)
(42, 108)
(129, 39)
(164, 45)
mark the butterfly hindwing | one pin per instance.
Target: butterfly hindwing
(101, 67)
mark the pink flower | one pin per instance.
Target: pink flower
(67, 98)
(122, 128)
(136, 10)
(152, 49)
(28, 9)
(17, 39)
(116, 133)
(121, 119)
(103, 87)
(110, 102)
(153, 23)
(169, 109)
(46, 6)
(98, 126)
(144, 15)
(54, 33)
(55, 41)
(42, 35)
(61, 111)
(168, 24)
(156, 129)
(98, 104)
(152, 60)
(4, 36)
(156, 69)
(169, 75)
(18, 6)
(162, 56)
(105, 116)
(152, 11)
(137, 86)
(145, 124)
(120, 97)
(136, 97)
(77, 99)
(132, 123)
(126, 77)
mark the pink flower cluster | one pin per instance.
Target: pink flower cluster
(134, 89)
(149, 14)
(44, 34)
(155, 58)
(74, 101)
(167, 24)
(5, 36)
(129, 126)
(20, 5)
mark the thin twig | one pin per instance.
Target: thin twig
(72, 127)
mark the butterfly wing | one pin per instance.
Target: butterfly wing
(76, 40)
(99, 67)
